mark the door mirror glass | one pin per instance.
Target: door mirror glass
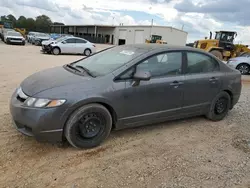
(64, 42)
(142, 75)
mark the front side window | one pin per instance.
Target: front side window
(70, 41)
(166, 64)
(200, 63)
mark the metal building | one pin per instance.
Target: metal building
(118, 35)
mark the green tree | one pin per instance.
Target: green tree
(30, 24)
(21, 22)
(12, 19)
(43, 23)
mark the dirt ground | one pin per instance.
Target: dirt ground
(186, 153)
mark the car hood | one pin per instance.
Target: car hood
(50, 78)
(15, 37)
(47, 42)
(43, 38)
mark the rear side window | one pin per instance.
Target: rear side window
(200, 63)
(80, 41)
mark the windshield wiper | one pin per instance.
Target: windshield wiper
(72, 67)
(86, 70)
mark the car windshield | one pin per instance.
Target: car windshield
(60, 39)
(14, 34)
(109, 60)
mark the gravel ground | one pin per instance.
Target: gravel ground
(187, 153)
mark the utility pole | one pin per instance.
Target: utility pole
(151, 28)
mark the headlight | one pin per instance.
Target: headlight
(43, 103)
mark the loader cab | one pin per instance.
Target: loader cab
(226, 39)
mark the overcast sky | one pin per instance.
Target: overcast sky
(197, 16)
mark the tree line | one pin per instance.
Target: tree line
(40, 23)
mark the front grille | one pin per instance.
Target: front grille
(20, 98)
(15, 39)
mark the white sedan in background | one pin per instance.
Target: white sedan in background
(69, 45)
(241, 63)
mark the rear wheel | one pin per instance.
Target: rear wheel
(56, 51)
(243, 68)
(88, 126)
(219, 107)
(37, 43)
(217, 54)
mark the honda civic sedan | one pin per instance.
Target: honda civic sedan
(122, 87)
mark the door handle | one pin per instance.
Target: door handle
(176, 83)
(213, 79)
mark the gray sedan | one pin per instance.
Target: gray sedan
(122, 87)
(241, 63)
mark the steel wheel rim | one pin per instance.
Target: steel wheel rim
(243, 69)
(90, 125)
(87, 52)
(56, 51)
(221, 106)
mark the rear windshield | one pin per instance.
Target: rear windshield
(109, 60)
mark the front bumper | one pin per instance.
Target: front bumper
(43, 124)
(46, 49)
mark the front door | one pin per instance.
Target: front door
(68, 46)
(158, 99)
(202, 82)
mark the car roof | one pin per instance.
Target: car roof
(161, 47)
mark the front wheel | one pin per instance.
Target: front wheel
(56, 51)
(219, 107)
(88, 126)
(217, 54)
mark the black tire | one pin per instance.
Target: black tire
(56, 51)
(77, 130)
(217, 54)
(87, 52)
(23, 43)
(244, 68)
(219, 107)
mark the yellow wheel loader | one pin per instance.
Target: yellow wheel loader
(221, 46)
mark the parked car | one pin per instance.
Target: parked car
(13, 37)
(69, 45)
(39, 38)
(122, 87)
(30, 35)
(241, 63)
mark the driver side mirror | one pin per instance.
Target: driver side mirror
(140, 76)
(64, 42)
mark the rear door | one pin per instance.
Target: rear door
(80, 46)
(202, 81)
(68, 46)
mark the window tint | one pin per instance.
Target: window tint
(199, 63)
(70, 41)
(80, 41)
(166, 64)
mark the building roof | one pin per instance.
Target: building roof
(119, 26)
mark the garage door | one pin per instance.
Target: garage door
(122, 34)
(139, 37)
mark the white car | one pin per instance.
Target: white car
(241, 63)
(69, 45)
(13, 37)
(30, 36)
